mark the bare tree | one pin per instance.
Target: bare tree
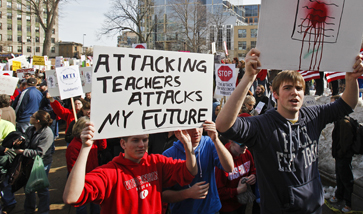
(46, 12)
(131, 15)
(191, 19)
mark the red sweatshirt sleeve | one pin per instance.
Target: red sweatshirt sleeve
(60, 111)
(72, 155)
(252, 167)
(221, 180)
(175, 171)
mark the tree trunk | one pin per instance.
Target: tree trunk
(47, 41)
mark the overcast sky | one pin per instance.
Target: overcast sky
(86, 17)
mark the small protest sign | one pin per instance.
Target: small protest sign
(86, 78)
(21, 72)
(16, 65)
(58, 61)
(52, 83)
(38, 60)
(139, 46)
(6, 73)
(147, 91)
(69, 82)
(226, 76)
(309, 101)
(8, 84)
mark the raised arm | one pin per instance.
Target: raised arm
(229, 112)
(76, 180)
(224, 155)
(350, 94)
(190, 160)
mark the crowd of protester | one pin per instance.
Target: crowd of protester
(254, 150)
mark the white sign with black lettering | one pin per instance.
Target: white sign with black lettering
(69, 82)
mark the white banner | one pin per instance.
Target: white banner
(8, 84)
(147, 91)
(69, 82)
(226, 77)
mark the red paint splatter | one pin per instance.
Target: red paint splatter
(313, 28)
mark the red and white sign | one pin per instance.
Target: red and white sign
(309, 75)
(6, 73)
(20, 72)
(139, 46)
(226, 75)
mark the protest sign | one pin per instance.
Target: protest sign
(38, 60)
(69, 82)
(21, 72)
(22, 59)
(86, 78)
(139, 46)
(58, 61)
(226, 76)
(6, 73)
(310, 35)
(309, 101)
(16, 65)
(52, 83)
(8, 84)
(147, 91)
(2, 66)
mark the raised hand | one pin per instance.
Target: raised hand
(252, 62)
(48, 96)
(87, 134)
(210, 127)
(184, 138)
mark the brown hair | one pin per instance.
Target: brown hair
(287, 76)
(85, 104)
(79, 126)
(262, 88)
(4, 100)
(44, 118)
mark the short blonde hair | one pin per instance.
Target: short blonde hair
(79, 126)
(249, 99)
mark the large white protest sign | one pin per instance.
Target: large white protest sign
(23, 59)
(7, 73)
(86, 77)
(2, 66)
(310, 35)
(69, 82)
(146, 91)
(226, 76)
(8, 84)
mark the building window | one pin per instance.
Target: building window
(10, 26)
(220, 38)
(28, 39)
(10, 37)
(52, 50)
(37, 49)
(20, 49)
(8, 4)
(1, 14)
(28, 29)
(211, 37)
(253, 33)
(29, 49)
(253, 44)
(53, 31)
(229, 33)
(75, 48)
(53, 40)
(18, 6)
(1, 37)
(250, 20)
(239, 55)
(19, 27)
(20, 39)
(242, 45)
(18, 17)
(28, 18)
(10, 48)
(1, 4)
(9, 15)
(242, 33)
(1, 26)
(37, 29)
(1, 48)
(256, 20)
(36, 39)
(28, 8)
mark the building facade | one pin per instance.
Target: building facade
(21, 33)
(126, 39)
(70, 49)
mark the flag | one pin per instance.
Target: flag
(309, 75)
(225, 47)
(331, 76)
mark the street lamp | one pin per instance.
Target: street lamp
(83, 44)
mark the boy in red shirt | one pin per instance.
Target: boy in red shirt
(131, 182)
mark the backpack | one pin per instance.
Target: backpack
(14, 135)
(357, 146)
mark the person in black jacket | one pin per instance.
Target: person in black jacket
(342, 137)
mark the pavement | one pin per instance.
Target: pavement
(57, 179)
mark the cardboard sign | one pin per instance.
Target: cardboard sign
(16, 65)
(147, 91)
(58, 61)
(69, 82)
(315, 36)
(21, 72)
(8, 84)
(139, 46)
(226, 77)
(86, 78)
(6, 73)
(38, 60)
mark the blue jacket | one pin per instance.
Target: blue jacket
(207, 158)
(286, 156)
(29, 103)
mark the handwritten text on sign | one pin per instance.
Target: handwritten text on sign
(146, 91)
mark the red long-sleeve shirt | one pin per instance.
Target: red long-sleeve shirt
(63, 113)
(73, 150)
(227, 183)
